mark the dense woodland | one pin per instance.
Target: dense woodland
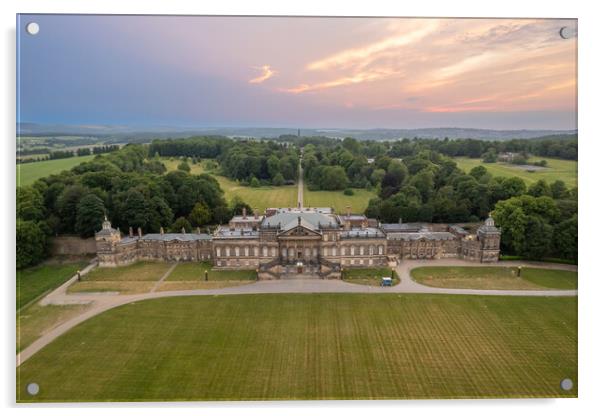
(415, 180)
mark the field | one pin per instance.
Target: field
(139, 277)
(565, 170)
(35, 320)
(495, 278)
(34, 282)
(313, 346)
(196, 271)
(28, 173)
(337, 200)
(369, 276)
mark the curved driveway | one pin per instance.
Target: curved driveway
(102, 302)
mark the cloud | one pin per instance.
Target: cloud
(338, 82)
(266, 73)
(367, 53)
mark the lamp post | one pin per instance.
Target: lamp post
(519, 270)
(206, 275)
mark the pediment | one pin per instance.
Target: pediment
(300, 231)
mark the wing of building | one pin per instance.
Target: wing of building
(302, 240)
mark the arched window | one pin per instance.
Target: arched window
(334, 251)
(265, 251)
(361, 250)
(227, 251)
(218, 251)
(380, 249)
(353, 250)
(246, 250)
(255, 251)
(273, 251)
(236, 251)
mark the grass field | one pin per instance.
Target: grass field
(196, 272)
(337, 200)
(28, 173)
(495, 278)
(313, 346)
(35, 320)
(369, 276)
(34, 282)
(565, 170)
(139, 277)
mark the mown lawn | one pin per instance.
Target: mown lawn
(358, 202)
(565, 170)
(36, 281)
(139, 277)
(35, 320)
(28, 173)
(369, 276)
(494, 278)
(196, 272)
(313, 346)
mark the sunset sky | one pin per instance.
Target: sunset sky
(298, 72)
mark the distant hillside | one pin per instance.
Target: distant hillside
(141, 134)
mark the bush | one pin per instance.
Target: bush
(348, 191)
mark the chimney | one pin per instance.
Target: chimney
(139, 232)
(161, 231)
(244, 213)
(131, 232)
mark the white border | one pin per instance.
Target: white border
(590, 137)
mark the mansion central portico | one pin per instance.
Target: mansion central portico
(305, 238)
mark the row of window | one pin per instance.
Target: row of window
(306, 252)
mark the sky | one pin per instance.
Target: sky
(195, 71)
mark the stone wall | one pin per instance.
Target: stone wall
(72, 246)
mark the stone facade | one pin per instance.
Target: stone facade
(302, 240)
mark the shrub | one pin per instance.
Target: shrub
(348, 191)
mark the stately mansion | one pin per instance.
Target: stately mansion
(301, 241)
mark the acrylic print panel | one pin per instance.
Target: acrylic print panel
(393, 201)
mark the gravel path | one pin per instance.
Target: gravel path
(103, 302)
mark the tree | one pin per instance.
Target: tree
(183, 166)
(559, 190)
(539, 238)
(30, 204)
(334, 178)
(90, 212)
(540, 188)
(565, 238)
(31, 243)
(200, 215)
(254, 182)
(136, 210)
(67, 206)
(278, 180)
(237, 205)
(180, 223)
(490, 156)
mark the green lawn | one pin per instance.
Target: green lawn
(140, 271)
(495, 278)
(196, 272)
(565, 170)
(369, 276)
(36, 281)
(553, 279)
(262, 197)
(337, 200)
(35, 320)
(139, 277)
(313, 346)
(28, 173)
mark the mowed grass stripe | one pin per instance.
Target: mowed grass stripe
(313, 346)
